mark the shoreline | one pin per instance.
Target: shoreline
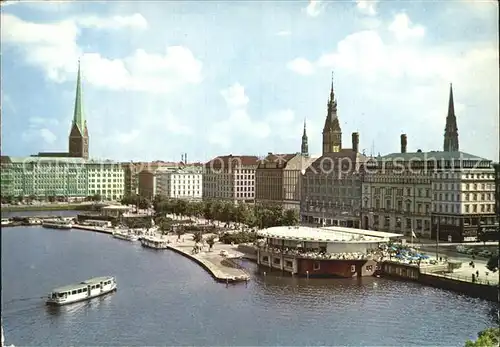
(42, 208)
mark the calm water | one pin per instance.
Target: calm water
(165, 299)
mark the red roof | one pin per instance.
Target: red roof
(233, 161)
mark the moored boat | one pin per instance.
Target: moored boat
(153, 242)
(125, 236)
(5, 222)
(84, 290)
(57, 224)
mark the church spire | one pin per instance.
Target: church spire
(78, 118)
(451, 129)
(304, 148)
(332, 133)
(332, 94)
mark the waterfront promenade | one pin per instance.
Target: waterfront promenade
(220, 267)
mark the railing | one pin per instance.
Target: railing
(479, 280)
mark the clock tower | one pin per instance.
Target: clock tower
(79, 134)
(332, 134)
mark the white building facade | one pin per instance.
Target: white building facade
(182, 183)
(230, 178)
(106, 178)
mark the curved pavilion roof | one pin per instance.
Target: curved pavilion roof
(326, 234)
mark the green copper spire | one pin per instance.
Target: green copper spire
(78, 117)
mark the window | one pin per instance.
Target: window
(73, 292)
(369, 268)
(400, 206)
(265, 259)
(84, 290)
(408, 223)
(276, 261)
(288, 263)
(353, 268)
(316, 265)
(79, 291)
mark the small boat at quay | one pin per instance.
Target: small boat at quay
(125, 236)
(85, 290)
(57, 224)
(154, 242)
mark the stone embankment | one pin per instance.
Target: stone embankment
(219, 265)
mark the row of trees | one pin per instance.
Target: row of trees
(262, 216)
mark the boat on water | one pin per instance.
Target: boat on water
(5, 221)
(57, 224)
(154, 242)
(84, 290)
(125, 236)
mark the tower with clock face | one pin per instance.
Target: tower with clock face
(332, 133)
(79, 134)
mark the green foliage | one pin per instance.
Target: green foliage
(486, 338)
(210, 241)
(262, 216)
(492, 264)
(197, 237)
(237, 238)
(138, 201)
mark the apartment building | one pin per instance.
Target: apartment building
(331, 188)
(230, 178)
(397, 193)
(106, 178)
(182, 183)
(464, 199)
(497, 190)
(132, 170)
(278, 179)
(69, 177)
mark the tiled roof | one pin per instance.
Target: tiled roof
(279, 159)
(346, 158)
(432, 155)
(232, 161)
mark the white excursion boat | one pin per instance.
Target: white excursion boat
(154, 242)
(85, 290)
(125, 236)
(5, 221)
(57, 224)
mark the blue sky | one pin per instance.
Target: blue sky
(240, 77)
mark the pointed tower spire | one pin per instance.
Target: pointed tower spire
(79, 134)
(451, 129)
(304, 148)
(332, 94)
(78, 118)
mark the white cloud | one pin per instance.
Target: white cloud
(283, 33)
(235, 96)
(48, 136)
(403, 28)
(127, 137)
(239, 121)
(368, 7)
(282, 117)
(314, 8)
(53, 47)
(37, 129)
(301, 66)
(135, 21)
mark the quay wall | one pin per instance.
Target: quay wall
(212, 269)
(413, 273)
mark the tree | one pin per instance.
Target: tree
(291, 217)
(96, 197)
(486, 338)
(179, 231)
(492, 264)
(51, 198)
(210, 241)
(197, 237)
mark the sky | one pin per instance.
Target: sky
(211, 78)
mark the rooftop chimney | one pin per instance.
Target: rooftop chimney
(403, 143)
(355, 142)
